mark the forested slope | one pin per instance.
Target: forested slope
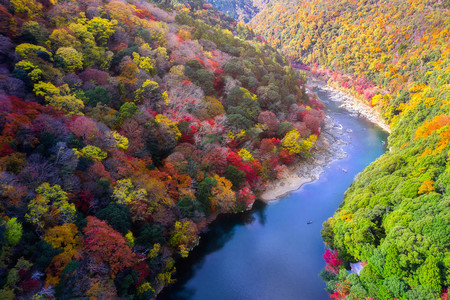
(395, 217)
(124, 128)
(240, 10)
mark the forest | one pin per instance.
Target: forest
(395, 56)
(125, 128)
(240, 10)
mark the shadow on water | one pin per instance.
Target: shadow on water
(218, 234)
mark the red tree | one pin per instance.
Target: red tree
(246, 195)
(108, 246)
(332, 260)
(269, 119)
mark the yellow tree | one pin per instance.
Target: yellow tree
(26, 49)
(101, 28)
(121, 141)
(63, 237)
(50, 205)
(72, 59)
(125, 192)
(295, 144)
(13, 232)
(184, 236)
(222, 196)
(92, 152)
(59, 97)
(61, 37)
(27, 8)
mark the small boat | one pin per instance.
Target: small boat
(309, 222)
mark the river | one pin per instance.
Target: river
(271, 252)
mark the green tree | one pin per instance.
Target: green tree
(396, 286)
(34, 31)
(189, 207)
(99, 95)
(234, 175)
(392, 266)
(237, 95)
(205, 80)
(429, 274)
(234, 67)
(203, 193)
(239, 121)
(422, 293)
(149, 235)
(13, 232)
(127, 110)
(248, 108)
(118, 216)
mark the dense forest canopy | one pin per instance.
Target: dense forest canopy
(125, 127)
(241, 10)
(395, 218)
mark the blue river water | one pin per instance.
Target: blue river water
(271, 252)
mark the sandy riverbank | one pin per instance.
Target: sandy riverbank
(328, 147)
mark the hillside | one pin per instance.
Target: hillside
(241, 10)
(395, 56)
(124, 129)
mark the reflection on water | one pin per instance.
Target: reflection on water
(272, 252)
(219, 233)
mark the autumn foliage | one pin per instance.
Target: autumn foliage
(395, 57)
(105, 245)
(122, 128)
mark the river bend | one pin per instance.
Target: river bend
(271, 252)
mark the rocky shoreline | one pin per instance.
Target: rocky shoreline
(351, 102)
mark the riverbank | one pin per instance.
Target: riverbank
(327, 148)
(350, 101)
